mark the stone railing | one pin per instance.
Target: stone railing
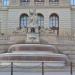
(4, 37)
(21, 34)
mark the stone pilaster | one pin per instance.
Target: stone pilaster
(0, 3)
(46, 21)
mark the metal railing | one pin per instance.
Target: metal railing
(13, 68)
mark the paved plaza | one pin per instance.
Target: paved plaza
(35, 73)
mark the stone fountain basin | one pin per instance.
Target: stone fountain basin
(32, 54)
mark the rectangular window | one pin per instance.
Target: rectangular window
(39, 2)
(24, 2)
(72, 2)
(5, 3)
(53, 1)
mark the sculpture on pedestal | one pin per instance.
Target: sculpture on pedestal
(32, 18)
(32, 34)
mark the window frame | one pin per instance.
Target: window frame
(24, 21)
(24, 2)
(40, 20)
(54, 1)
(5, 3)
(54, 22)
(39, 2)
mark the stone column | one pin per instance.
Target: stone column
(46, 19)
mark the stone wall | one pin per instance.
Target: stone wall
(3, 21)
(64, 18)
(10, 18)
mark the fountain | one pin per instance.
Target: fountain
(31, 54)
(34, 53)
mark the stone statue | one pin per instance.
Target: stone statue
(32, 32)
(32, 18)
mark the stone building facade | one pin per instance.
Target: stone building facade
(55, 20)
(56, 15)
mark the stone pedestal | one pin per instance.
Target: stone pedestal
(32, 38)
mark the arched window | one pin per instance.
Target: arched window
(23, 20)
(5, 3)
(54, 22)
(40, 20)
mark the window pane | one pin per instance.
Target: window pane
(53, 0)
(72, 2)
(24, 0)
(40, 20)
(39, 0)
(23, 21)
(5, 2)
(53, 21)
